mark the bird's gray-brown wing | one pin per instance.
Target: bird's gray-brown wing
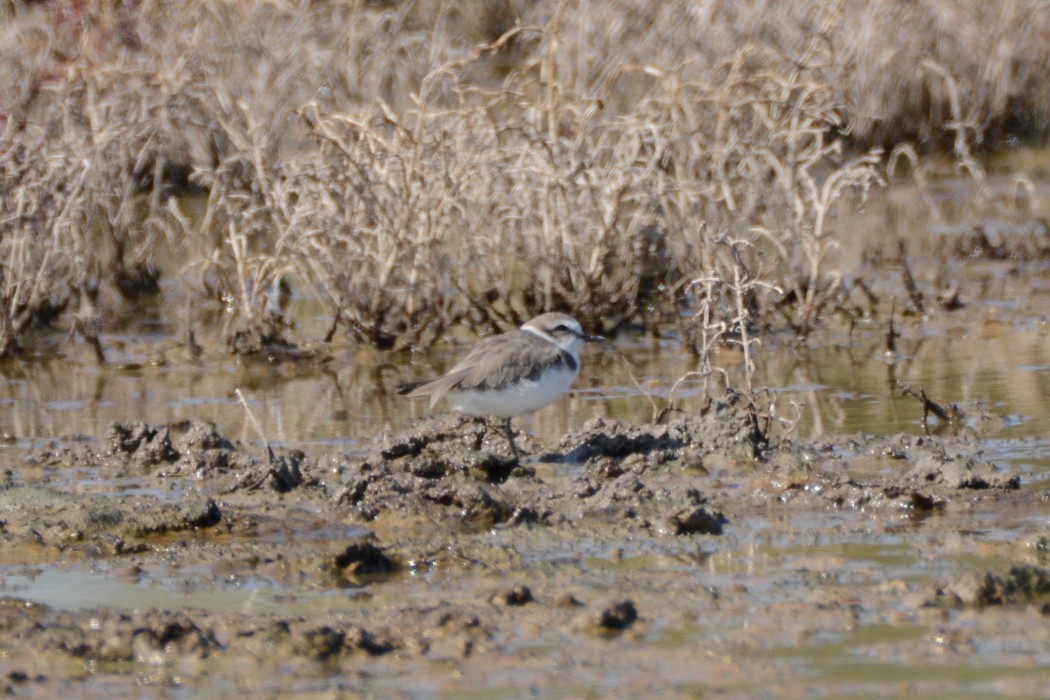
(436, 388)
(501, 360)
(495, 363)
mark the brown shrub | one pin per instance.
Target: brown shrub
(415, 166)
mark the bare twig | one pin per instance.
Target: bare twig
(256, 425)
(952, 416)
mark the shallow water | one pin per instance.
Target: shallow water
(832, 388)
(79, 588)
(841, 389)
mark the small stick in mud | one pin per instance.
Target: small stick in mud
(891, 333)
(95, 344)
(255, 424)
(193, 348)
(335, 325)
(85, 325)
(659, 414)
(283, 471)
(909, 281)
(790, 425)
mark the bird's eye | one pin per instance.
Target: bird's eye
(561, 328)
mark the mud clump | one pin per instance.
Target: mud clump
(1021, 585)
(696, 520)
(211, 464)
(939, 469)
(902, 472)
(209, 456)
(200, 436)
(317, 641)
(193, 513)
(327, 642)
(451, 462)
(462, 465)
(117, 636)
(56, 518)
(616, 616)
(160, 636)
(1024, 242)
(282, 473)
(724, 429)
(190, 449)
(473, 502)
(493, 468)
(362, 558)
(623, 497)
(447, 435)
(512, 596)
(141, 444)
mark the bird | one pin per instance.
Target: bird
(511, 374)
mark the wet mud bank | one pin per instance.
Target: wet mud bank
(434, 561)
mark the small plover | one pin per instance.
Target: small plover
(511, 374)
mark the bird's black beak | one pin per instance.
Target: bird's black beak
(592, 338)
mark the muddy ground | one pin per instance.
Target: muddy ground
(688, 557)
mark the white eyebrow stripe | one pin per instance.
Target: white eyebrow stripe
(537, 332)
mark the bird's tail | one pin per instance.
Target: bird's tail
(406, 388)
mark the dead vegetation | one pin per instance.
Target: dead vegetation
(414, 167)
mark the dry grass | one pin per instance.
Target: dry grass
(417, 166)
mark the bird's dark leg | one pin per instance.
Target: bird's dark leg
(480, 435)
(510, 439)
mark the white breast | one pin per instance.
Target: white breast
(516, 399)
